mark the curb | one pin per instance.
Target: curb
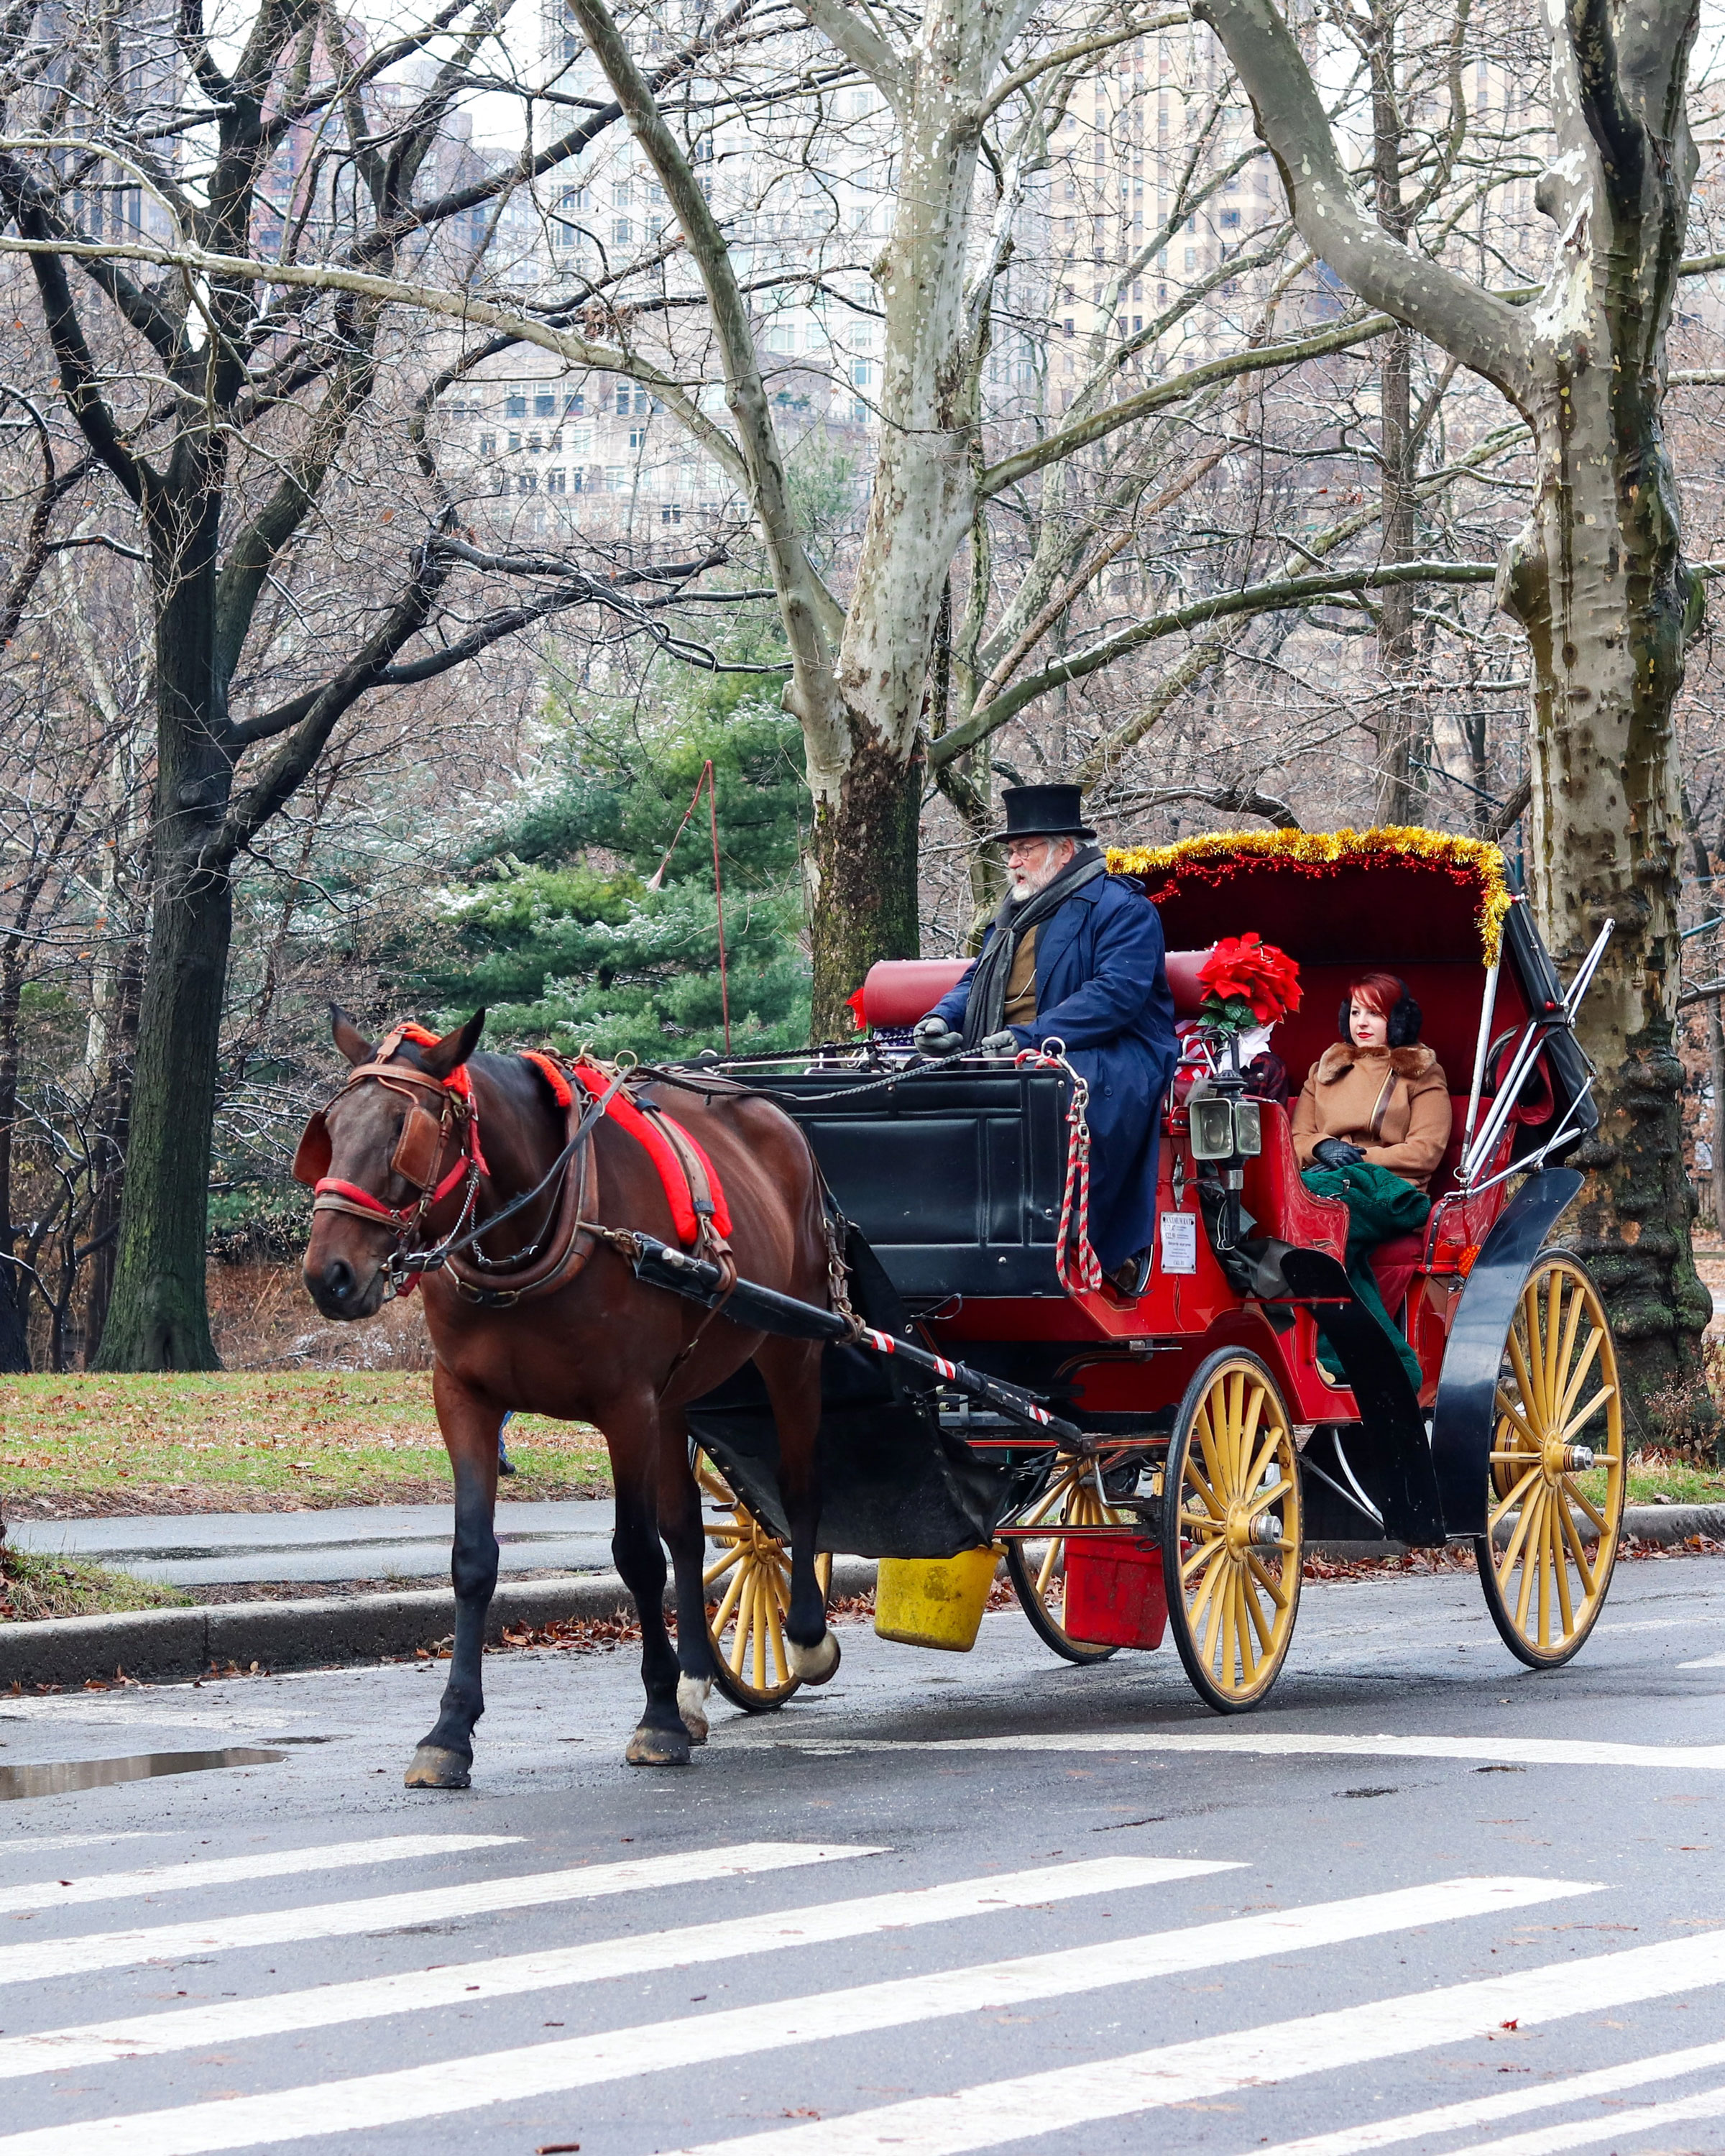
(161, 1646)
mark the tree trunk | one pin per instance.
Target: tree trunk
(864, 859)
(158, 1318)
(113, 1133)
(15, 1287)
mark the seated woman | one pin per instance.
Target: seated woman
(1371, 1127)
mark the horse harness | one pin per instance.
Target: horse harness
(443, 1108)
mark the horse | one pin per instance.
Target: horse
(426, 1143)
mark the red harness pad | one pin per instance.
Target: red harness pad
(628, 1117)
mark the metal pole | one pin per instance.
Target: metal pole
(1488, 1011)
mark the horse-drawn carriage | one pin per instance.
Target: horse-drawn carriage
(925, 1363)
(1191, 1439)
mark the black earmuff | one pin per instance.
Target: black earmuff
(1406, 1020)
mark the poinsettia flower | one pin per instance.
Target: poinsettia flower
(1245, 970)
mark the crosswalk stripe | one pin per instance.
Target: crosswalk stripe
(38, 1959)
(1487, 2110)
(463, 1982)
(1067, 2098)
(1639, 2118)
(1283, 1745)
(453, 2085)
(229, 1870)
(39, 1845)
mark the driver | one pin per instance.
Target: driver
(1076, 955)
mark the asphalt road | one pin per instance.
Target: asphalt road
(1426, 1902)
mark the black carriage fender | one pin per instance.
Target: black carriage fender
(1467, 1385)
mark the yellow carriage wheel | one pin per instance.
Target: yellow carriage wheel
(1038, 1568)
(1231, 1531)
(1555, 1485)
(747, 1579)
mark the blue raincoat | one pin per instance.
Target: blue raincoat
(1101, 987)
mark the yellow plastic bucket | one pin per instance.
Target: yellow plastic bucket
(934, 1602)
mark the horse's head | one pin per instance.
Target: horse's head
(376, 1154)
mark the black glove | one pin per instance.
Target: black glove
(1003, 1043)
(1337, 1152)
(933, 1036)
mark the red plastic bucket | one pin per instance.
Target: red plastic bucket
(1114, 1591)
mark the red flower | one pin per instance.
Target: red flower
(1245, 969)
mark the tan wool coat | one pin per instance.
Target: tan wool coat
(1393, 1101)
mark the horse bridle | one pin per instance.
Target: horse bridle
(417, 1157)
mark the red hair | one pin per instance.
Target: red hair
(1377, 991)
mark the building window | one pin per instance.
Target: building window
(488, 445)
(640, 402)
(623, 402)
(554, 482)
(515, 406)
(1191, 257)
(533, 445)
(670, 515)
(1137, 323)
(526, 482)
(1230, 217)
(619, 232)
(545, 403)
(515, 444)
(577, 402)
(638, 438)
(1069, 326)
(616, 478)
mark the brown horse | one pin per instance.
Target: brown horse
(428, 1141)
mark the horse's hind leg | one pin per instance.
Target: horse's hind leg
(790, 1370)
(679, 1523)
(470, 1426)
(632, 1432)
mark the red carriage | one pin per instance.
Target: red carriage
(1163, 1458)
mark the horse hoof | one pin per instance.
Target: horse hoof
(434, 1769)
(658, 1748)
(815, 1665)
(691, 1705)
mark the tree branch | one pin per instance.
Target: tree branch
(1483, 331)
(860, 44)
(1256, 599)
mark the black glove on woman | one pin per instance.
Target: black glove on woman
(1337, 1152)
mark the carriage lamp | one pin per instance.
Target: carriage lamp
(1224, 1128)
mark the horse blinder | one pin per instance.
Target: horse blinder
(419, 1148)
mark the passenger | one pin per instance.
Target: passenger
(1076, 955)
(1370, 1128)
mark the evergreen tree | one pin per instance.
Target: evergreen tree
(555, 927)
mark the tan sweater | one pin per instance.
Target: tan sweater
(1393, 1101)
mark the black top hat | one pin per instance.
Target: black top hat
(1044, 812)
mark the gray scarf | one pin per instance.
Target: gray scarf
(986, 1011)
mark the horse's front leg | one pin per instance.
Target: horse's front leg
(631, 1429)
(680, 1522)
(469, 1424)
(790, 1370)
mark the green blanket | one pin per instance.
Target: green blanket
(1380, 1207)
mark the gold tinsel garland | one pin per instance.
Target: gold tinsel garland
(1210, 855)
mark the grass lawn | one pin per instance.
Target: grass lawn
(33, 1585)
(1656, 1473)
(256, 1441)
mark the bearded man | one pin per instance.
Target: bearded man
(1076, 955)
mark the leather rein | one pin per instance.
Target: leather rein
(418, 1157)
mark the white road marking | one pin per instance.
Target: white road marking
(458, 1983)
(1707, 1662)
(227, 1871)
(1523, 1751)
(1488, 2110)
(1069, 2097)
(453, 2085)
(35, 1960)
(1577, 2133)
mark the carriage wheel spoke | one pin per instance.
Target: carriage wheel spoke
(1266, 1453)
(1046, 1570)
(718, 1571)
(1524, 1383)
(1265, 1630)
(1553, 1330)
(1267, 1580)
(1049, 1498)
(1265, 1498)
(1249, 1436)
(1498, 1512)
(1511, 1410)
(1561, 1528)
(1587, 1506)
(1217, 1510)
(733, 1595)
(1583, 1416)
(1190, 1566)
(1574, 1540)
(1214, 1466)
(1523, 1526)
(1532, 1514)
(1578, 1374)
(1224, 1663)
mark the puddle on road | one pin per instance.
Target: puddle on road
(58, 1776)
